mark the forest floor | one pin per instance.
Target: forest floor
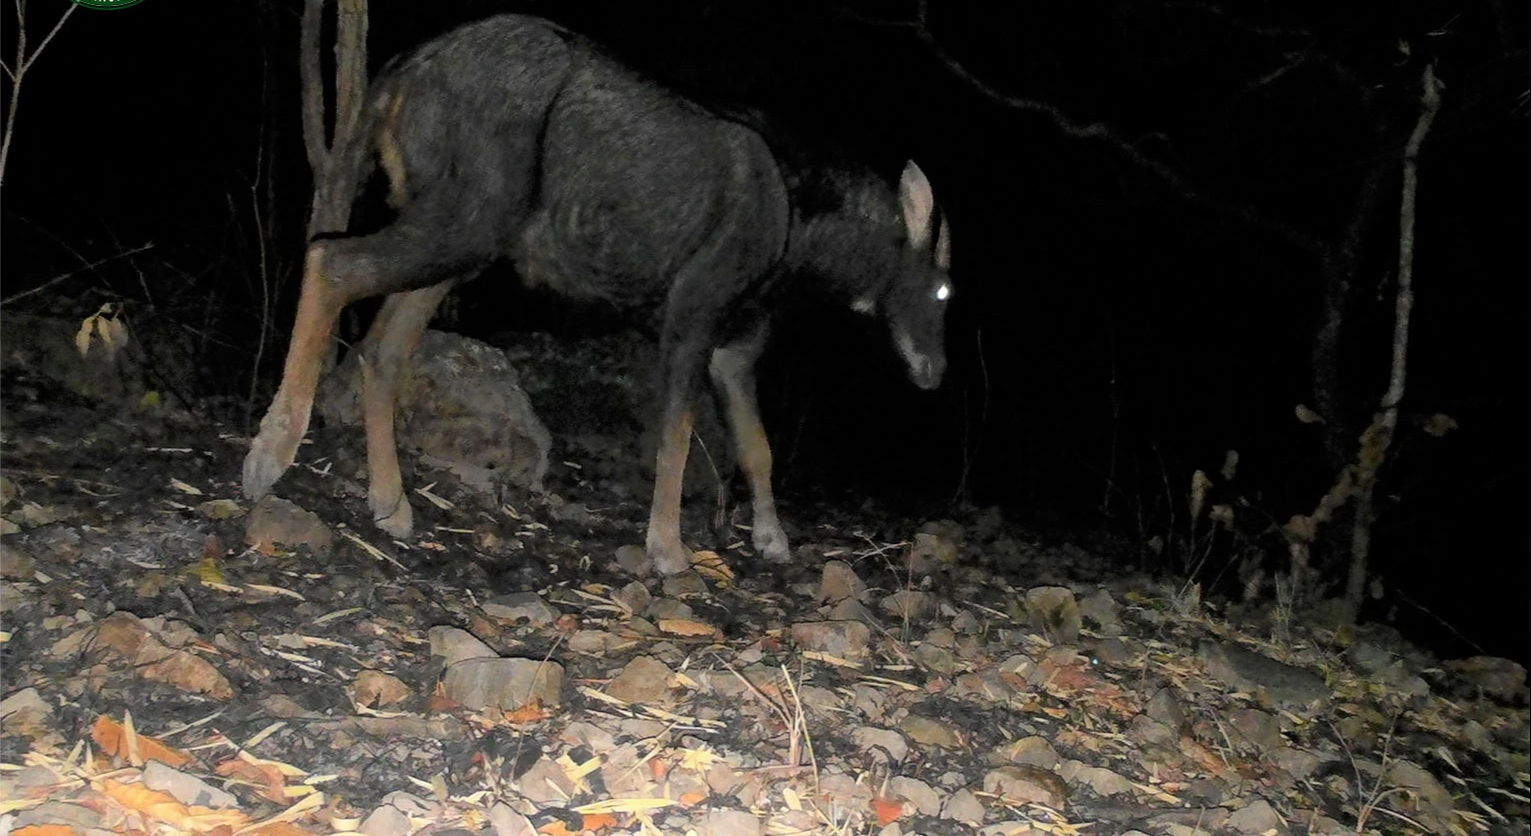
(176, 659)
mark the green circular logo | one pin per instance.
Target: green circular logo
(106, 4)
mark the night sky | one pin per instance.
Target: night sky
(1144, 199)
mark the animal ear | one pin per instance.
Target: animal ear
(944, 245)
(918, 203)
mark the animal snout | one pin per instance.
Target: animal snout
(926, 372)
(925, 368)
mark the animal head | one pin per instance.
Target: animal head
(914, 304)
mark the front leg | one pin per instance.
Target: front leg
(281, 431)
(733, 372)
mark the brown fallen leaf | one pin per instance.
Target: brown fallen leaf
(276, 828)
(532, 712)
(164, 807)
(265, 779)
(688, 627)
(45, 830)
(712, 567)
(113, 740)
(888, 810)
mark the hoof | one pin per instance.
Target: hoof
(669, 558)
(271, 452)
(262, 469)
(771, 542)
(399, 523)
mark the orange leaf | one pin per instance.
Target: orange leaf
(556, 827)
(112, 738)
(888, 810)
(600, 821)
(45, 830)
(266, 779)
(693, 798)
(278, 828)
(164, 807)
(532, 712)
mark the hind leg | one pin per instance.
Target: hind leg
(337, 272)
(385, 352)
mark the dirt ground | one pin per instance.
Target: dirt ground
(171, 665)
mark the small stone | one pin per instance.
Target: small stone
(1026, 785)
(881, 743)
(685, 585)
(839, 582)
(275, 521)
(454, 645)
(1054, 613)
(635, 597)
(521, 606)
(963, 806)
(507, 684)
(1101, 609)
(841, 639)
(633, 560)
(376, 689)
(930, 732)
(921, 794)
(1034, 751)
(1257, 728)
(1256, 817)
(644, 680)
(187, 789)
(907, 605)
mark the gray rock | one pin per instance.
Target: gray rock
(521, 606)
(1256, 817)
(506, 684)
(839, 582)
(1054, 613)
(644, 680)
(881, 743)
(275, 521)
(842, 639)
(917, 792)
(963, 806)
(1286, 686)
(454, 645)
(461, 404)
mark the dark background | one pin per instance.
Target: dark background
(1131, 303)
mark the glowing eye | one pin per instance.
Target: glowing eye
(943, 292)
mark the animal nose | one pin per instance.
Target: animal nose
(927, 372)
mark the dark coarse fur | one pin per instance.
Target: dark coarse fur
(514, 138)
(602, 185)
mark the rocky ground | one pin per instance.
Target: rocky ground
(178, 660)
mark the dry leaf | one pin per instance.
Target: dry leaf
(277, 828)
(265, 778)
(532, 712)
(45, 830)
(712, 567)
(189, 490)
(888, 810)
(687, 627)
(112, 738)
(164, 807)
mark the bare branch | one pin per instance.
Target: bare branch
(91, 266)
(310, 73)
(1110, 138)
